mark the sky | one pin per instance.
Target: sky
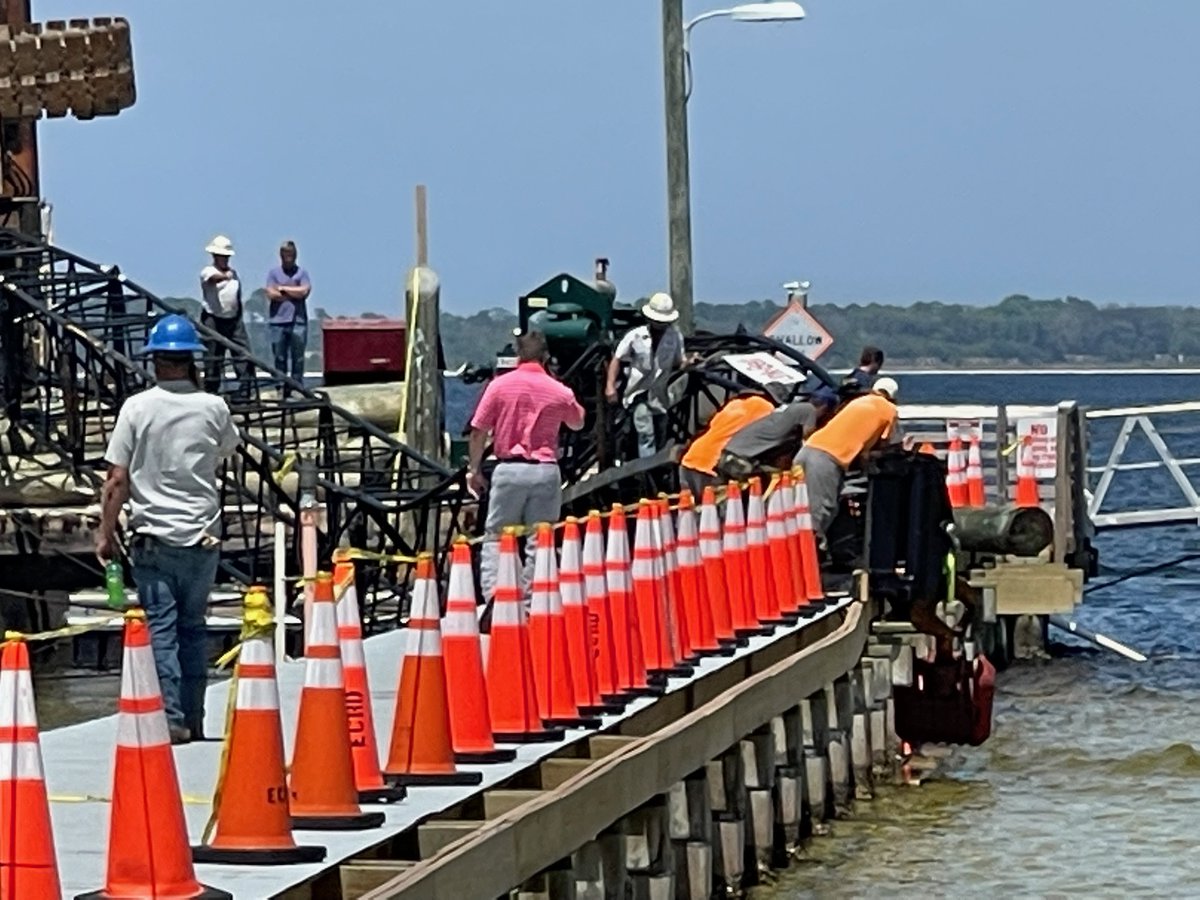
(885, 151)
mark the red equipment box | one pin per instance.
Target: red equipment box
(363, 351)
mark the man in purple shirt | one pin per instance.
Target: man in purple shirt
(288, 288)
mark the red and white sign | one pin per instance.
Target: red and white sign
(799, 329)
(1043, 442)
(764, 368)
(964, 430)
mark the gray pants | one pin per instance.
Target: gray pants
(823, 475)
(695, 481)
(519, 494)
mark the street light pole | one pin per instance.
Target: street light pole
(679, 196)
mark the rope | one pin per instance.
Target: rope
(1138, 573)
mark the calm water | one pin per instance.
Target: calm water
(1091, 781)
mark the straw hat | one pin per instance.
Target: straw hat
(660, 308)
(220, 246)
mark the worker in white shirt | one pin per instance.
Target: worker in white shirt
(221, 292)
(652, 351)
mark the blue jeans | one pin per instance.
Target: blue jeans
(173, 584)
(288, 343)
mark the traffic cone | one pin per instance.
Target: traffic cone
(512, 699)
(364, 750)
(712, 558)
(631, 664)
(28, 866)
(148, 852)
(808, 542)
(324, 797)
(781, 560)
(787, 497)
(1027, 484)
(975, 491)
(692, 582)
(252, 814)
(927, 448)
(956, 474)
(548, 641)
(649, 593)
(681, 632)
(764, 601)
(737, 564)
(421, 749)
(595, 589)
(466, 691)
(581, 650)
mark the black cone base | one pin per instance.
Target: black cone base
(675, 672)
(392, 793)
(247, 857)
(360, 822)
(483, 757)
(740, 639)
(545, 736)
(723, 648)
(439, 779)
(206, 893)
(656, 679)
(619, 700)
(747, 633)
(774, 623)
(655, 688)
(605, 709)
(579, 722)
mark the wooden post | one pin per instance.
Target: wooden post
(422, 228)
(1001, 459)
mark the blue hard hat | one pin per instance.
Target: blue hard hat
(173, 334)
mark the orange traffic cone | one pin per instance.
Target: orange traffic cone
(148, 852)
(737, 564)
(512, 699)
(1027, 483)
(764, 600)
(631, 663)
(808, 542)
(650, 595)
(324, 797)
(421, 750)
(581, 650)
(791, 527)
(975, 491)
(956, 474)
(28, 866)
(781, 561)
(692, 582)
(927, 448)
(595, 589)
(466, 691)
(364, 749)
(681, 631)
(548, 641)
(712, 558)
(252, 815)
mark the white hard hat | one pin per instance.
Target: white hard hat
(220, 246)
(660, 308)
(886, 386)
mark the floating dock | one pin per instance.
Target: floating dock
(503, 835)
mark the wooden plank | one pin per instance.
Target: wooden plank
(555, 772)
(362, 875)
(434, 835)
(549, 827)
(498, 803)
(601, 745)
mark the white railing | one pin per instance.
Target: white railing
(1140, 421)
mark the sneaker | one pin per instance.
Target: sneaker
(179, 734)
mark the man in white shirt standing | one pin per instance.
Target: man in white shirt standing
(652, 351)
(221, 292)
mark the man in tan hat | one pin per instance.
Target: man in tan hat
(221, 294)
(652, 351)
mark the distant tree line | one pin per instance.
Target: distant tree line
(1017, 331)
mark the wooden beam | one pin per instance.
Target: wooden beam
(552, 824)
(422, 228)
(362, 875)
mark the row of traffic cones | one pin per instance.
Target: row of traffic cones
(605, 625)
(964, 474)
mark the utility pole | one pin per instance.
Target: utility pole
(679, 200)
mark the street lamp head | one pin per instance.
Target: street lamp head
(774, 11)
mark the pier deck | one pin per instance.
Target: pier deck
(78, 763)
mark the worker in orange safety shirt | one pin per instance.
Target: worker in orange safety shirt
(698, 468)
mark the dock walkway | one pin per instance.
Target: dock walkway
(79, 758)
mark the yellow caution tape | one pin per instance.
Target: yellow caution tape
(66, 631)
(96, 798)
(285, 467)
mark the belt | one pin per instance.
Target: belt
(521, 460)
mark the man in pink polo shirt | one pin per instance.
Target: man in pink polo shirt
(522, 410)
